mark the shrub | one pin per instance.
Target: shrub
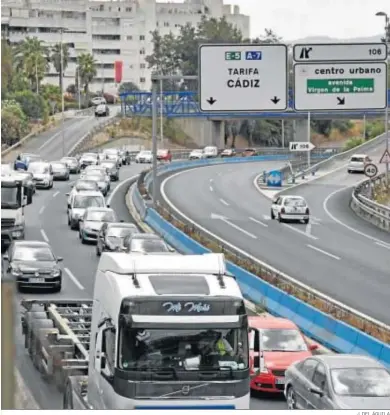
(374, 129)
(33, 105)
(353, 142)
(13, 122)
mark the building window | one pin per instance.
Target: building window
(142, 80)
(142, 65)
(166, 24)
(142, 52)
(129, 37)
(142, 37)
(128, 9)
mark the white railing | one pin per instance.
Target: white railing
(366, 208)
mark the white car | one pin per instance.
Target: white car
(81, 201)
(82, 185)
(357, 163)
(144, 156)
(42, 174)
(98, 101)
(290, 208)
(210, 151)
(88, 159)
(196, 154)
(102, 110)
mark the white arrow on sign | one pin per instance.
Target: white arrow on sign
(301, 146)
(274, 178)
(233, 225)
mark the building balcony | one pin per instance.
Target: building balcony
(102, 58)
(105, 30)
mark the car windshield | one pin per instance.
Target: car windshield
(108, 165)
(86, 185)
(58, 166)
(148, 245)
(84, 201)
(282, 340)
(294, 202)
(94, 177)
(10, 197)
(101, 216)
(29, 253)
(145, 153)
(362, 382)
(357, 159)
(38, 168)
(117, 232)
(182, 349)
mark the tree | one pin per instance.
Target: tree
(56, 60)
(32, 58)
(87, 70)
(6, 67)
(33, 105)
(13, 122)
(127, 86)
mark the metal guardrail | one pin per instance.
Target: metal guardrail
(369, 210)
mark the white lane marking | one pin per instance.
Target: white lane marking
(56, 193)
(41, 210)
(73, 278)
(211, 188)
(323, 252)
(253, 258)
(258, 222)
(60, 132)
(129, 179)
(224, 202)
(338, 221)
(266, 217)
(44, 236)
(383, 245)
(307, 234)
(233, 225)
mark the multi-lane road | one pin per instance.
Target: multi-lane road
(46, 220)
(337, 253)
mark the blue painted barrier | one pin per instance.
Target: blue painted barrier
(330, 332)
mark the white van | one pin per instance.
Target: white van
(357, 163)
(210, 151)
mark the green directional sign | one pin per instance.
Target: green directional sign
(340, 86)
(232, 56)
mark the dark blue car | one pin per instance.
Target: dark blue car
(24, 159)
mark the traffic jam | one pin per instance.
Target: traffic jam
(282, 362)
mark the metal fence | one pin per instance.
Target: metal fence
(366, 208)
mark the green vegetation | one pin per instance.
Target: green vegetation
(179, 55)
(373, 129)
(27, 102)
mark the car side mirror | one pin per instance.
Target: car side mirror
(108, 205)
(313, 347)
(6, 256)
(67, 194)
(60, 259)
(121, 221)
(317, 391)
(68, 205)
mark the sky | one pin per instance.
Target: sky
(297, 19)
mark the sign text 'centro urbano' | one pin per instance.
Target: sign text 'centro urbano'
(246, 78)
(342, 86)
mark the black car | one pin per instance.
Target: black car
(112, 235)
(112, 169)
(125, 156)
(33, 265)
(145, 243)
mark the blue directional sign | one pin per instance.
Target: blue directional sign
(253, 55)
(274, 178)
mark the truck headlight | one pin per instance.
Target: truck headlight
(17, 234)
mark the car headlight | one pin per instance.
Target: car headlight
(15, 272)
(56, 273)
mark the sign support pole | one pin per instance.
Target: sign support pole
(308, 139)
(364, 126)
(283, 133)
(155, 80)
(387, 146)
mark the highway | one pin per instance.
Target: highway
(46, 220)
(337, 253)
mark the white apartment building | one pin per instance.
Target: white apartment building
(110, 30)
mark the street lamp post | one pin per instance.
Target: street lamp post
(62, 93)
(387, 41)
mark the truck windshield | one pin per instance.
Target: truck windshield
(182, 349)
(10, 197)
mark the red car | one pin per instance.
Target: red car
(275, 343)
(164, 155)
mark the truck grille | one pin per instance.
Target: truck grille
(7, 223)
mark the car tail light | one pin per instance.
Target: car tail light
(307, 211)
(283, 210)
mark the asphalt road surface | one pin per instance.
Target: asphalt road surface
(46, 220)
(337, 253)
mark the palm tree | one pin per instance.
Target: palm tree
(56, 59)
(87, 70)
(32, 58)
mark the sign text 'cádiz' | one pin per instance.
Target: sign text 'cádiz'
(238, 78)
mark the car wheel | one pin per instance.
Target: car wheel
(291, 399)
(58, 288)
(306, 221)
(280, 218)
(272, 215)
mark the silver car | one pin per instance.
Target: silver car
(72, 163)
(60, 170)
(342, 381)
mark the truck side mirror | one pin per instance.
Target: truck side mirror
(103, 361)
(24, 200)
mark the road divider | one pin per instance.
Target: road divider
(334, 325)
(366, 208)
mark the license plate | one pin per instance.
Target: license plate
(279, 381)
(36, 280)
